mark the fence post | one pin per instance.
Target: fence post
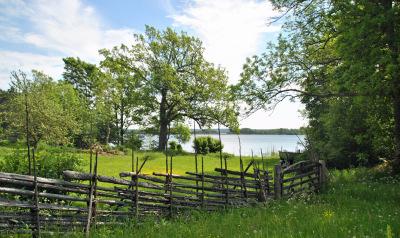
(278, 181)
(92, 192)
(323, 173)
(36, 232)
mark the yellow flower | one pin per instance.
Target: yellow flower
(328, 214)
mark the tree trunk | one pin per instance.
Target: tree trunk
(163, 133)
(108, 133)
(116, 123)
(121, 128)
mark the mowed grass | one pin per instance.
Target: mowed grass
(112, 165)
(357, 203)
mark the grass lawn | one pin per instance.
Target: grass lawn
(112, 165)
(357, 203)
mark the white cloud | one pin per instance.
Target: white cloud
(58, 28)
(10, 60)
(231, 30)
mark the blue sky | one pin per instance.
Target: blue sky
(37, 34)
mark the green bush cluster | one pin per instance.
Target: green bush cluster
(207, 144)
(50, 162)
(175, 148)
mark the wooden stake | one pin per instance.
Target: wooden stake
(202, 181)
(137, 189)
(170, 189)
(91, 198)
(195, 157)
(36, 232)
(262, 159)
(220, 147)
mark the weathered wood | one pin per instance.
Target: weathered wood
(278, 181)
(213, 181)
(220, 177)
(234, 172)
(73, 175)
(91, 198)
(24, 192)
(299, 176)
(41, 180)
(301, 166)
(323, 174)
(300, 183)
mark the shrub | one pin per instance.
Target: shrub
(207, 144)
(175, 148)
(50, 163)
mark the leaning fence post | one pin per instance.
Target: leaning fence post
(36, 232)
(137, 188)
(323, 173)
(91, 196)
(278, 181)
(170, 189)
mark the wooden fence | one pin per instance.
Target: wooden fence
(30, 204)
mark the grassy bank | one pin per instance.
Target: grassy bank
(358, 203)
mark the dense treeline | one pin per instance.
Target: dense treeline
(341, 59)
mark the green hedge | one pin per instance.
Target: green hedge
(207, 144)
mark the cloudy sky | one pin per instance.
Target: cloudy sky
(37, 34)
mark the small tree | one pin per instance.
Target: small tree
(42, 109)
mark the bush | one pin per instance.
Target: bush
(207, 144)
(175, 148)
(50, 163)
(135, 142)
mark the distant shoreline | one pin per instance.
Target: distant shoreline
(248, 131)
(243, 131)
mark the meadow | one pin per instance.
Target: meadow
(112, 165)
(359, 202)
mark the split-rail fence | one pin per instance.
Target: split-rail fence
(30, 204)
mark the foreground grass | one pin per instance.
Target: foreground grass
(358, 203)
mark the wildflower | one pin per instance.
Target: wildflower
(328, 214)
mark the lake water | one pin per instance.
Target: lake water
(268, 143)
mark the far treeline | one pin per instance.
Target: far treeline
(249, 131)
(341, 59)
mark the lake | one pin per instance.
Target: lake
(268, 143)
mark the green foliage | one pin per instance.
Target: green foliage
(207, 144)
(175, 148)
(174, 80)
(51, 162)
(340, 58)
(52, 108)
(181, 132)
(134, 142)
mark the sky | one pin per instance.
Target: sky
(37, 34)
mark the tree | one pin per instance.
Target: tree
(97, 121)
(122, 90)
(176, 82)
(42, 109)
(341, 59)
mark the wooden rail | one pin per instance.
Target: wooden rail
(82, 200)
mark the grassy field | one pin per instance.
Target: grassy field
(357, 203)
(112, 165)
